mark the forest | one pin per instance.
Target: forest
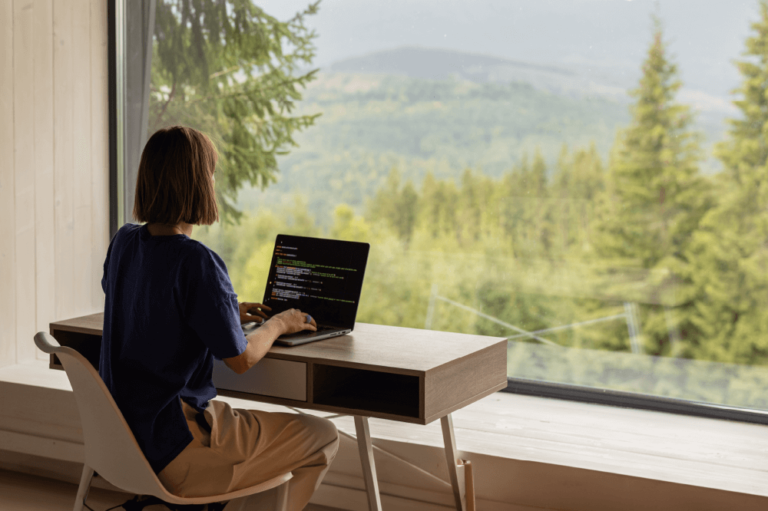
(621, 264)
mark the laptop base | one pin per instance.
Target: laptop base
(302, 337)
(307, 337)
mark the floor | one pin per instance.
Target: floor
(22, 492)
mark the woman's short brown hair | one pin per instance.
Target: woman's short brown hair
(175, 181)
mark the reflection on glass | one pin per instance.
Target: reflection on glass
(574, 176)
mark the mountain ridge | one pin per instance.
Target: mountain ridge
(384, 59)
(441, 64)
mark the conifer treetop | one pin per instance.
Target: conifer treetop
(746, 148)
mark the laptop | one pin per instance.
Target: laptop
(321, 277)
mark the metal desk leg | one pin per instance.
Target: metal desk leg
(455, 470)
(365, 447)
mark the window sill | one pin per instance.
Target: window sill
(510, 433)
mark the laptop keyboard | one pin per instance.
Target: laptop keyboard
(248, 328)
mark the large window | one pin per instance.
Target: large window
(585, 178)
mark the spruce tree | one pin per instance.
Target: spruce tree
(437, 206)
(512, 191)
(731, 248)
(525, 213)
(228, 68)
(397, 205)
(655, 201)
(578, 182)
(472, 201)
(432, 204)
(539, 209)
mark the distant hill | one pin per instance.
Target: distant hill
(441, 111)
(572, 81)
(371, 123)
(576, 81)
(437, 64)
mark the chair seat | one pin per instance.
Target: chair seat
(251, 490)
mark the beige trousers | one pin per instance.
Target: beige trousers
(248, 447)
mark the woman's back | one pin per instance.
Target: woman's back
(169, 309)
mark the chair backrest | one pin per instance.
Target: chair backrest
(110, 447)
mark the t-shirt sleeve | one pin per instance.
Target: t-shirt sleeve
(104, 278)
(210, 304)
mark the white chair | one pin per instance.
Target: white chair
(110, 447)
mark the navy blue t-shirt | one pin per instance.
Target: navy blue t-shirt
(170, 308)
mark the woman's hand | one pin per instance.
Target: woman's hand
(261, 339)
(253, 312)
(293, 320)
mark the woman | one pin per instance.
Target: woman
(170, 308)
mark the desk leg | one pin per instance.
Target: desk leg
(365, 447)
(455, 470)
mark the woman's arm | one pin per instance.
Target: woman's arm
(259, 341)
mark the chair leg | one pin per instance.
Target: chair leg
(82, 491)
(281, 504)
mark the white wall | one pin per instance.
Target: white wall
(54, 166)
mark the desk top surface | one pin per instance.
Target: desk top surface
(400, 350)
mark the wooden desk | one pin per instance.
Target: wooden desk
(394, 373)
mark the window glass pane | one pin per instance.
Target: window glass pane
(578, 177)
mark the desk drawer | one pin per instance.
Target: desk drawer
(270, 377)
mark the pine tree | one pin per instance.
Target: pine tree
(437, 206)
(472, 201)
(525, 214)
(578, 181)
(731, 248)
(230, 69)
(539, 209)
(381, 208)
(407, 211)
(512, 206)
(656, 200)
(431, 204)
(396, 205)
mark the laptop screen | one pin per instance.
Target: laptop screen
(319, 276)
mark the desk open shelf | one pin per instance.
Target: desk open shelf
(82, 334)
(362, 389)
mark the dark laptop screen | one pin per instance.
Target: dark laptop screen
(319, 276)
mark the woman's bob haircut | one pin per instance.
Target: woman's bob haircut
(175, 181)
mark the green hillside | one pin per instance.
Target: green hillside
(372, 123)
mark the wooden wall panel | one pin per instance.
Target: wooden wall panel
(7, 195)
(99, 147)
(63, 182)
(24, 175)
(54, 165)
(81, 179)
(45, 270)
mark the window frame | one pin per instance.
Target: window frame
(523, 386)
(623, 399)
(115, 172)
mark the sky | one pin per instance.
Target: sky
(604, 38)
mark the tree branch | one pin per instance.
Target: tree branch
(165, 106)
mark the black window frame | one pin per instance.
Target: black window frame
(112, 105)
(622, 399)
